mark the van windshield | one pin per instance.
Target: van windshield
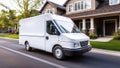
(67, 27)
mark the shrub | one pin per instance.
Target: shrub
(117, 35)
(92, 36)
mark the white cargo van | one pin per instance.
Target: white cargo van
(53, 33)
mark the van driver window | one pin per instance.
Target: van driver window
(51, 28)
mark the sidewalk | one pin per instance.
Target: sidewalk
(103, 39)
(107, 52)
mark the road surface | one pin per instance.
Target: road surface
(13, 55)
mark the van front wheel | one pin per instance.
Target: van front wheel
(27, 47)
(58, 53)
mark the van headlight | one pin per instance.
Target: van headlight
(76, 44)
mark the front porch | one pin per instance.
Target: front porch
(101, 26)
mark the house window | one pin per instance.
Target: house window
(70, 7)
(79, 5)
(88, 4)
(114, 2)
(76, 6)
(82, 5)
(50, 11)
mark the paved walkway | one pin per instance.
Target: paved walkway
(103, 39)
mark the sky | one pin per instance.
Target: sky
(11, 4)
(61, 2)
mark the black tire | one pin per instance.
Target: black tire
(27, 47)
(58, 53)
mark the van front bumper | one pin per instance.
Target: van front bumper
(71, 52)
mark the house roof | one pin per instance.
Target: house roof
(102, 9)
(54, 4)
(66, 2)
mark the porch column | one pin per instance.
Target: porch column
(83, 25)
(119, 22)
(92, 25)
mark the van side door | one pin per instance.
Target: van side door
(52, 35)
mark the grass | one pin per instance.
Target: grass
(112, 45)
(7, 35)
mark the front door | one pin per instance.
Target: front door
(109, 27)
(52, 35)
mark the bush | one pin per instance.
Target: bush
(117, 35)
(92, 36)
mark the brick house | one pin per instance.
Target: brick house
(101, 17)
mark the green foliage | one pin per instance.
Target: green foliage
(111, 45)
(8, 19)
(92, 36)
(34, 13)
(117, 35)
(4, 19)
(14, 36)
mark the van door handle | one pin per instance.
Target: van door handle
(47, 37)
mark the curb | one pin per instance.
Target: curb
(107, 52)
(8, 38)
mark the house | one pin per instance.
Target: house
(101, 17)
(50, 7)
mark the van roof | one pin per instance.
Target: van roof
(53, 16)
(58, 17)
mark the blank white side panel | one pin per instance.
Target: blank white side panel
(32, 26)
(33, 30)
(35, 41)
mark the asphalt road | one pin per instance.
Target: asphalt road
(13, 55)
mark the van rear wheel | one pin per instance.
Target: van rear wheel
(58, 53)
(27, 47)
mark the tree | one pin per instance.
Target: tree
(3, 19)
(8, 19)
(27, 7)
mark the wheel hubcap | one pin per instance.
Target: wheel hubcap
(27, 47)
(58, 53)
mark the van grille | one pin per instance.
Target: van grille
(84, 43)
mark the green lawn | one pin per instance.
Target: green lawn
(14, 36)
(112, 45)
